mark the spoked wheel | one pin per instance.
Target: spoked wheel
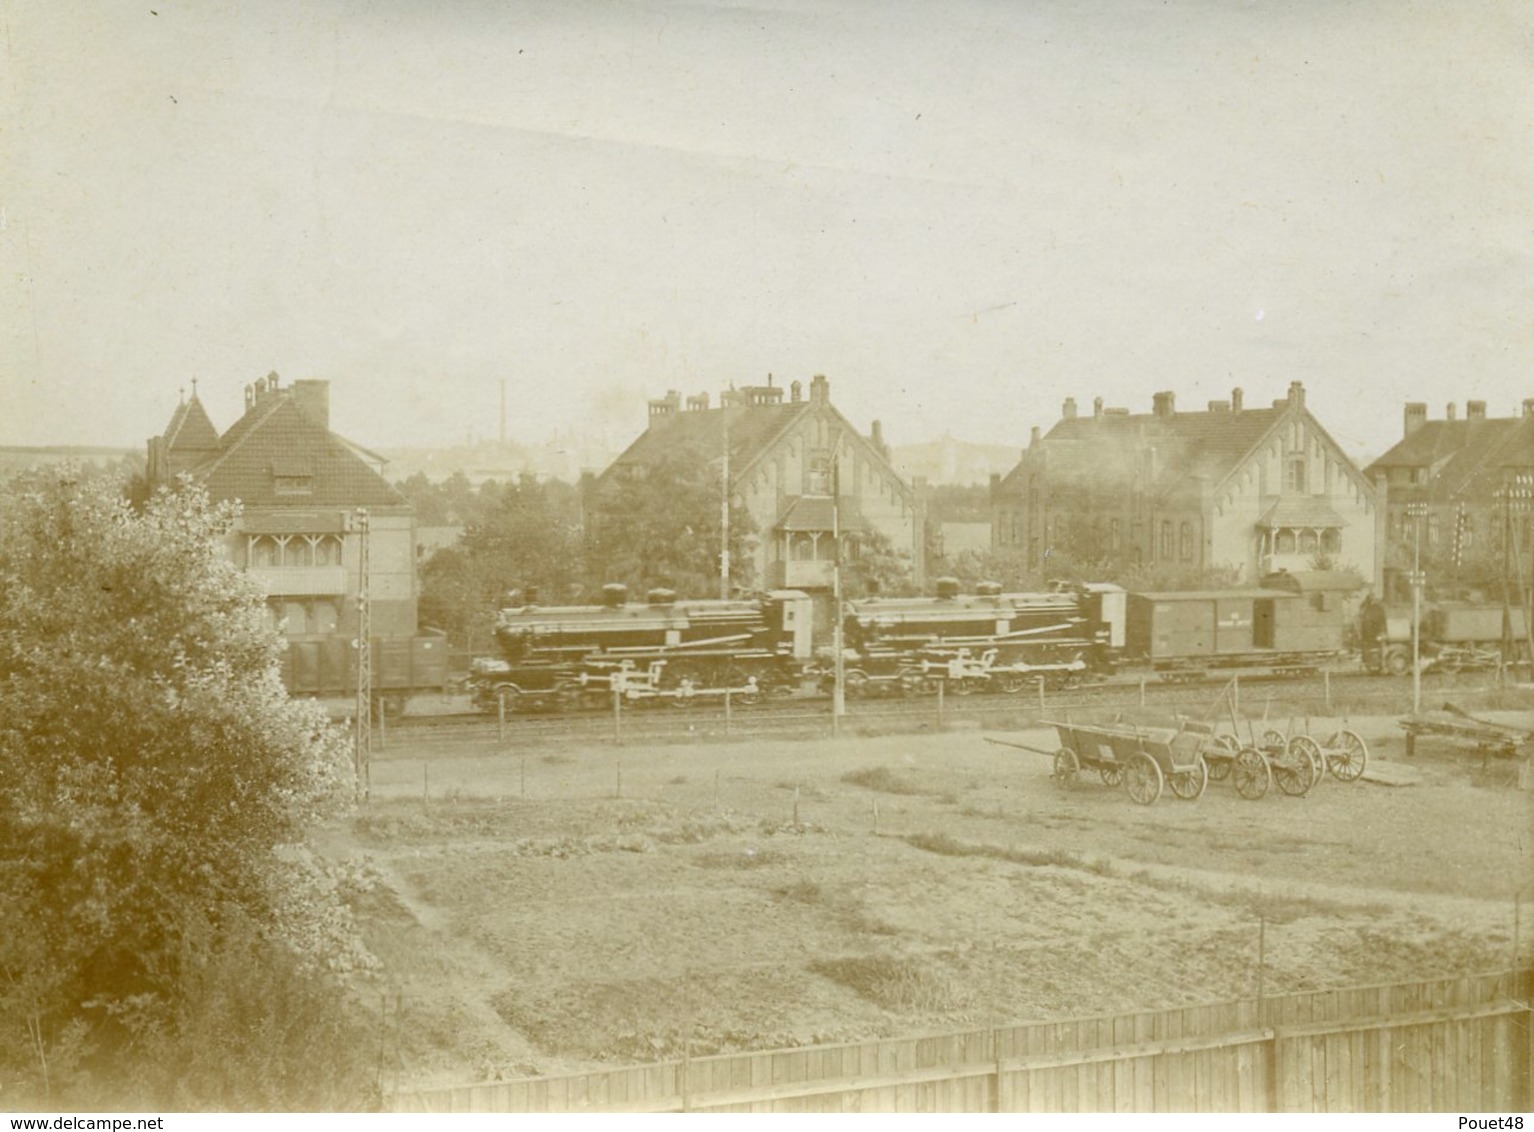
(1346, 755)
(1293, 771)
(1305, 745)
(856, 683)
(1273, 740)
(1142, 778)
(1219, 768)
(1112, 775)
(1189, 783)
(1067, 768)
(961, 687)
(1250, 773)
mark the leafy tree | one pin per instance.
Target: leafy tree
(155, 783)
(659, 527)
(872, 567)
(525, 534)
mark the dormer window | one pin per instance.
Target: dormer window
(292, 476)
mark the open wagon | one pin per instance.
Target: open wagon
(1141, 758)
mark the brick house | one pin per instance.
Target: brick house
(1458, 470)
(785, 458)
(301, 488)
(1232, 487)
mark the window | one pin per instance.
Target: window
(293, 485)
(1283, 542)
(1185, 542)
(1294, 473)
(1166, 540)
(1432, 530)
(817, 480)
(1308, 541)
(1331, 541)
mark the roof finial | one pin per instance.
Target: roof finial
(181, 394)
(194, 389)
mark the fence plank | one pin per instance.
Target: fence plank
(1454, 1044)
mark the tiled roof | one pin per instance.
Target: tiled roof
(190, 430)
(752, 429)
(814, 513)
(277, 438)
(1464, 458)
(1301, 511)
(1187, 446)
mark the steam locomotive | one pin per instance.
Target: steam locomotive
(569, 656)
(557, 657)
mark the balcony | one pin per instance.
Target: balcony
(803, 575)
(301, 581)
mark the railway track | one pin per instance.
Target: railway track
(809, 716)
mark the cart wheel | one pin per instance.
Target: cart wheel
(1112, 775)
(1308, 747)
(1219, 767)
(1397, 663)
(1250, 773)
(1142, 778)
(1293, 771)
(1189, 784)
(1273, 740)
(1346, 755)
(1067, 768)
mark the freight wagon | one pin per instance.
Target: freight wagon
(1293, 623)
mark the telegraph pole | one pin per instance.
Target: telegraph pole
(724, 510)
(364, 715)
(1416, 511)
(839, 691)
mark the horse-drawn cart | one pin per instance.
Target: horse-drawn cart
(1140, 758)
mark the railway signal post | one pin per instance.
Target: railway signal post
(1416, 511)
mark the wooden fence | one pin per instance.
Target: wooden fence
(1445, 1045)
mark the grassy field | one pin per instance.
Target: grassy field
(554, 908)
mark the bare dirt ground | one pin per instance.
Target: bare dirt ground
(775, 894)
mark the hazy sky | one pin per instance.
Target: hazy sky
(961, 212)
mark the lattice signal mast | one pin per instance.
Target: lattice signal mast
(364, 713)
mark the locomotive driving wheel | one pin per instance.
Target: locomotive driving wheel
(1189, 783)
(1346, 755)
(1250, 773)
(1142, 778)
(1067, 768)
(1011, 682)
(743, 690)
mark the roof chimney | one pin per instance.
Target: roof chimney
(795, 392)
(1068, 410)
(667, 405)
(1033, 436)
(313, 397)
(1097, 406)
(1416, 416)
(697, 402)
(1448, 411)
(1219, 406)
(1474, 411)
(820, 389)
(1164, 404)
(1528, 406)
(1236, 397)
(1297, 394)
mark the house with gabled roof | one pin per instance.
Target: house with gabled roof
(799, 468)
(303, 490)
(1464, 474)
(1231, 487)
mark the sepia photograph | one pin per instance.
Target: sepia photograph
(765, 556)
